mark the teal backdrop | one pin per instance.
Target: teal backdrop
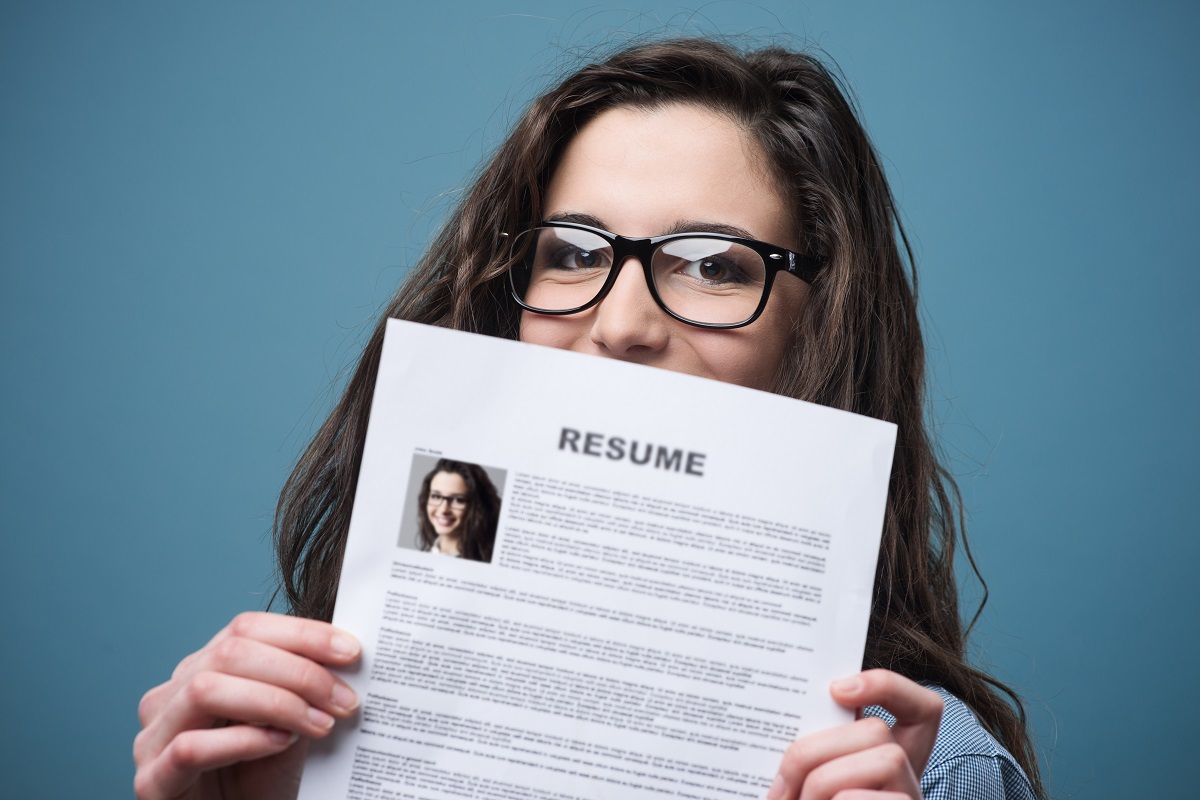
(202, 207)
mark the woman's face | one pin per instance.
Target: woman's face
(642, 173)
(447, 506)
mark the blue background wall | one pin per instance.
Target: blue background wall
(201, 208)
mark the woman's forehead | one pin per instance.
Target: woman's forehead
(448, 482)
(643, 171)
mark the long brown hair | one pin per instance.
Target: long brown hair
(857, 346)
(478, 534)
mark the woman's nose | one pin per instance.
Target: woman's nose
(628, 323)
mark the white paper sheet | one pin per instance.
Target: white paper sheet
(644, 630)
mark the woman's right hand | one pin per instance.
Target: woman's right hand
(235, 717)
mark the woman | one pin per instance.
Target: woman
(664, 138)
(457, 511)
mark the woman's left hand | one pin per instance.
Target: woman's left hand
(865, 759)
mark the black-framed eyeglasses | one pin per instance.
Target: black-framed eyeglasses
(709, 280)
(457, 501)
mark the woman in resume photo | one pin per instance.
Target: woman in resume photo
(457, 511)
(691, 206)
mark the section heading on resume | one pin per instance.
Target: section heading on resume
(617, 448)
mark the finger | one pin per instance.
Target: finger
(907, 700)
(247, 658)
(194, 752)
(870, 794)
(806, 754)
(185, 663)
(310, 638)
(882, 768)
(153, 701)
(318, 641)
(918, 711)
(210, 697)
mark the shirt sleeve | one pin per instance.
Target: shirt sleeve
(967, 763)
(975, 777)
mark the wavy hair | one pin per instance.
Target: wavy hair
(856, 347)
(482, 512)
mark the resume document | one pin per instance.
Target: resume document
(680, 568)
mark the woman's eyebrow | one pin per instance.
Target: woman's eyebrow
(578, 219)
(701, 226)
(680, 226)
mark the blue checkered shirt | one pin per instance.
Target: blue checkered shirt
(966, 762)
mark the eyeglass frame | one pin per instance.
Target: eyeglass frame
(775, 259)
(454, 501)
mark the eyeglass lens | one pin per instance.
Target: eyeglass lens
(704, 280)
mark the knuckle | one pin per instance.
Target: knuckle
(893, 756)
(142, 787)
(183, 754)
(937, 706)
(819, 782)
(314, 635)
(243, 624)
(314, 682)
(201, 688)
(876, 729)
(794, 758)
(227, 652)
(183, 665)
(139, 748)
(148, 706)
(278, 706)
(878, 679)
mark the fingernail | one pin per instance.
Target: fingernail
(847, 685)
(319, 718)
(344, 697)
(278, 736)
(343, 645)
(777, 788)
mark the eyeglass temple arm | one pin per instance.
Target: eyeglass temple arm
(803, 267)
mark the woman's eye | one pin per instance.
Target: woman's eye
(582, 258)
(575, 258)
(714, 270)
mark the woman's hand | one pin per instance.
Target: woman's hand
(865, 759)
(234, 719)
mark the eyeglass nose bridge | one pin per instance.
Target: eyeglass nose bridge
(623, 249)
